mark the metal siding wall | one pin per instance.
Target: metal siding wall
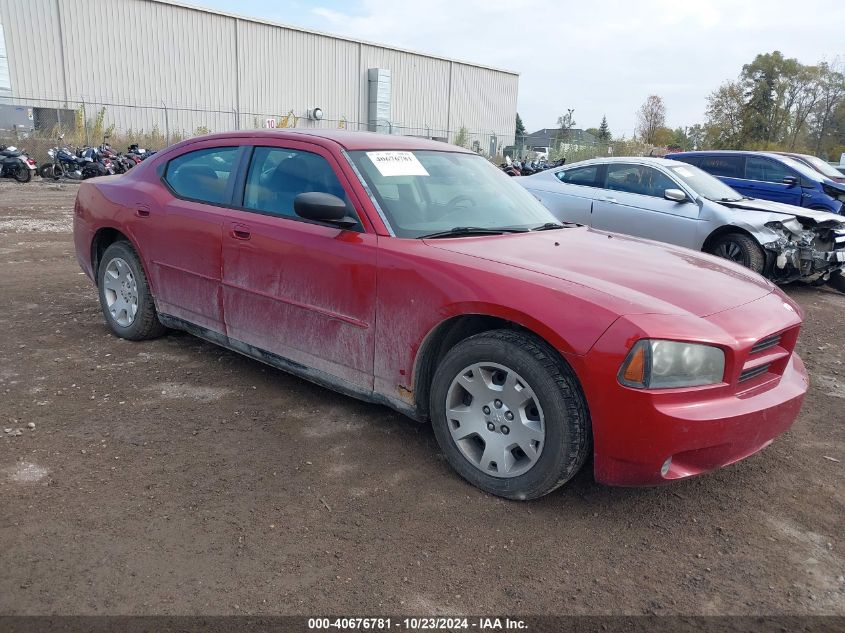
(284, 69)
(484, 101)
(184, 58)
(420, 87)
(159, 54)
(33, 46)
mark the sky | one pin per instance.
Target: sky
(602, 57)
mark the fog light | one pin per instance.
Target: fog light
(664, 469)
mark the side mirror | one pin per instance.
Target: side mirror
(790, 181)
(323, 207)
(675, 195)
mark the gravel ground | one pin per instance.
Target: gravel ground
(174, 477)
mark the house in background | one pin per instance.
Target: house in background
(544, 141)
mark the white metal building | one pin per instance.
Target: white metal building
(162, 63)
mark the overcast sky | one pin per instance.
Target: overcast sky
(599, 56)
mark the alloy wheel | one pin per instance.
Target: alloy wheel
(121, 292)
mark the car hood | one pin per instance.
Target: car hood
(806, 216)
(645, 277)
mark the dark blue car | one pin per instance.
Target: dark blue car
(770, 177)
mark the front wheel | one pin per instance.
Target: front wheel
(740, 248)
(837, 281)
(509, 415)
(23, 174)
(125, 296)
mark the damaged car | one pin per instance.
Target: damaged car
(678, 203)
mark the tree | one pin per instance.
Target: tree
(663, 136)
(520, 127)
(565, 123)
(725, 124)
(592, 130)
(695, 134)
(778, 103)
(604, 134)
(462, 137)
(651, 117)
(832, 91)
(680, 139)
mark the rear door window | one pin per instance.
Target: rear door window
(586, 176)
(724, 166)
(203, 175)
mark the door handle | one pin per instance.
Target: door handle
(609, 199)
(142, 211)
(241, 232)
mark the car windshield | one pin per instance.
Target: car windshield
(704, 184)
(821, 166)
(424, 192)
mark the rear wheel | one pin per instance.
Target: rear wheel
(837, 281)
(509, 415)
(125, 296)
(740, 248)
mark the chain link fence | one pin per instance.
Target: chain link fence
(574, 151)
(36, 123)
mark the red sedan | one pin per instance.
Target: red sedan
(416, 275)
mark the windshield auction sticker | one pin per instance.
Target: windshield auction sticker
(397, 164)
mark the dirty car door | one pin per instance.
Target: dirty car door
(633, 203)
(301, 290)
(182, 231)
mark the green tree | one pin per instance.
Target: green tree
(725, 122)
(520, 126)
(604, 134)
(462, 137)
(680, 139)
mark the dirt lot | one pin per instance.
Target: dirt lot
(174, 477)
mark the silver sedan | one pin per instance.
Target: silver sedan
(680, 204)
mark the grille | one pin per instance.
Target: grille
(748, 374)
(765, 343)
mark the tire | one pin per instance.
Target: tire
(23, 175)
(127, 281)
(46, 171)
(554, 399)
(837, 281)
(58, 171)
(741, 249)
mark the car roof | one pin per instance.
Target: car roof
(640, 160)
(347, 140)
(739, 152)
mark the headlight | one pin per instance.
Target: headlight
(654, 364)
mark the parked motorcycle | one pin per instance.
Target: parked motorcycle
(14, 163)
(509, 167)
(138, 153)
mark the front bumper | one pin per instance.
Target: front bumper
(636, 431)
(700, 436)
